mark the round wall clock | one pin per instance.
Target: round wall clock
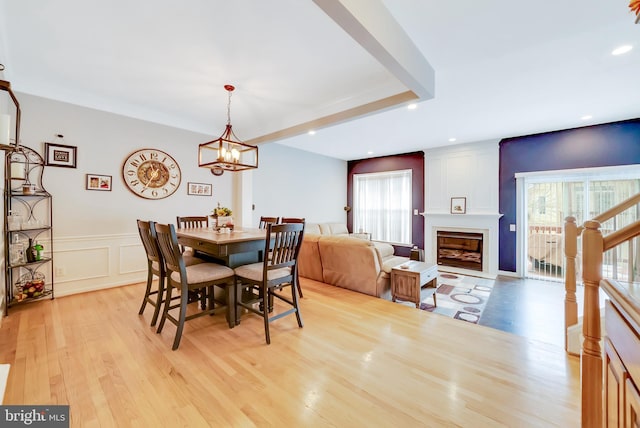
(151, 173)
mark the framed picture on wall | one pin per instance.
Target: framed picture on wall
(99, 182)
(60, 155)
(458, 205)
(199, 189)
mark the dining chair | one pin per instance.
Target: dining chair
(155, 268)
(192, 221)
(202, 276)
(262, 282)
(266, 220)
(295, 220)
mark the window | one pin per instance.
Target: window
(382, 205)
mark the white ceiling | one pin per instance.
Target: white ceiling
(503, 68)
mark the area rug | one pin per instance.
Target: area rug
(458, 296)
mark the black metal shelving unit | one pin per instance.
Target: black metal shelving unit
(28, 217)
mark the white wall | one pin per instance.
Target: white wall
(96, 243)
(296, 183)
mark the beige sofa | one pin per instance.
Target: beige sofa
(345, 261)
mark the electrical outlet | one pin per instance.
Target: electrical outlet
(61, 271)
(512, 228)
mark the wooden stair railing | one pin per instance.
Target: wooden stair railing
(594, 245)
(571, 233)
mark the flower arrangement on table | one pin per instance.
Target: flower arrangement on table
(223, 217)
(634, 5)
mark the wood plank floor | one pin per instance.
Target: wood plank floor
(359, 361)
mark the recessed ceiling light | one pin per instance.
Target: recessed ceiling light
(452, 139)
(412, 106)
(621, 50)
(369, 152)
(312, 132)
(586, 117)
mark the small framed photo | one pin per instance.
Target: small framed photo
(199, 189)
(60, 155)
(458, 205)
(99, 182)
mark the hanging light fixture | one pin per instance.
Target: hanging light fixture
(227, 153)
(5, 143)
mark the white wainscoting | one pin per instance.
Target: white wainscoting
(88, 263)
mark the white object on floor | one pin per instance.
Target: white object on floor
(4, 375)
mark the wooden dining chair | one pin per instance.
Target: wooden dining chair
(295, 220)
(202, 276)
(155, 268)
(192, 221)
(266, 220)
(263, 282)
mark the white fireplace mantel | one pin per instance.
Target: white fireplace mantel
(484, 222)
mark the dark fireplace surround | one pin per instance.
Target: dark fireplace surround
(459, 249)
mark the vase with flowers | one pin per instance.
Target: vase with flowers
(222, 217)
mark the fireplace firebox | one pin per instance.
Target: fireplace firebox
(459, 249)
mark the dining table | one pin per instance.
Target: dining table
(234, 248)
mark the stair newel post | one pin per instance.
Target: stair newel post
(591, 361)
(570, 302)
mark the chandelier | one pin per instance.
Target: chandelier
(227, 153)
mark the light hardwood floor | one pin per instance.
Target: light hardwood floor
(359, 361)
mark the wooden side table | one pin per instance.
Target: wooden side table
(410, 279)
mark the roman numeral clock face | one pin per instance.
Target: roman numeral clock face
(151, 174)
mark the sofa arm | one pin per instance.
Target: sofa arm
(309, 262)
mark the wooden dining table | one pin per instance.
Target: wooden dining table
(234, 249)
(239, 247)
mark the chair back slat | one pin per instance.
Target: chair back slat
(148, 238)
(192, 221)
(284, 244)
(168, 243)
(264, 221)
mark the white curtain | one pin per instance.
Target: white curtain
(382, 205)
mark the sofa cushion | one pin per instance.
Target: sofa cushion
(390, 262)
(313, 228)
(384, 249)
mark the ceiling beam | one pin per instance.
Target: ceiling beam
(371, 24)
(334, 119)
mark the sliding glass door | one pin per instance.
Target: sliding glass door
(549, 199)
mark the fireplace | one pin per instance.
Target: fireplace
(459, 249)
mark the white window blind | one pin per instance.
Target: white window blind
(382, 205)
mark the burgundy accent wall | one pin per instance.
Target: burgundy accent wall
(413, 161)
(611, 144)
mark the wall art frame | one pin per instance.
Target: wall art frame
(459, 205)
(60, 155)
(199, 189)
(99, 182)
